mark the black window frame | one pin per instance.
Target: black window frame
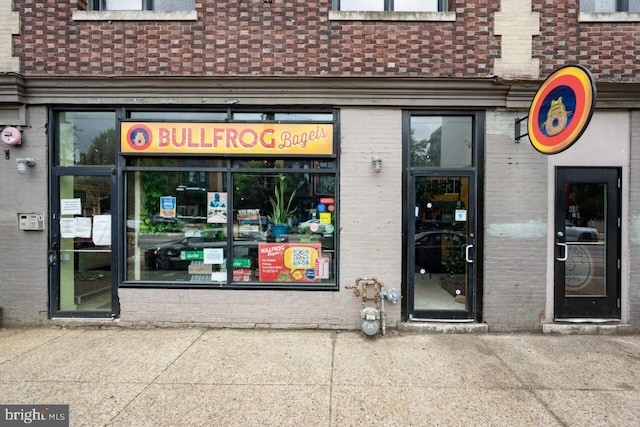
(231, 168)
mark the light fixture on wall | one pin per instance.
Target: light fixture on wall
(377, 163)
(22, 163)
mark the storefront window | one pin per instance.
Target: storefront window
(234, 221)
(280, 226)
(86, 138)
(441, 141)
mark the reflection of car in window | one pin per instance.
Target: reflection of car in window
(432, 246)
(167, 256)
(575, 233)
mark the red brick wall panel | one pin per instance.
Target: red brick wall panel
(296, 38)
(608, 50)
(235, 38)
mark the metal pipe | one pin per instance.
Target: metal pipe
(383, 316)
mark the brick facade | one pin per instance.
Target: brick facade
(298, 39)
(255, 38)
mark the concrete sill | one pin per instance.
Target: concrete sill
(134, 15)
(609, 17)
(337, 15)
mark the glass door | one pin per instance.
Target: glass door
(587, 243)
(81, 256)
(443, 238)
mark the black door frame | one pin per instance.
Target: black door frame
(476, 197)
(584, 307)
(54, 246)
(55, 172)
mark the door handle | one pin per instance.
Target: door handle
(566, 252)
(467, 251)
(53, 254)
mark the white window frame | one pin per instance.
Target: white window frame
(120, 5)
(621, 13)
(389, 6)
(389, 14)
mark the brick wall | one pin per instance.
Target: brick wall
(295, 38)
(515, 241)
(236, 38)
(608, 49)
(9, 25)
(24, 278)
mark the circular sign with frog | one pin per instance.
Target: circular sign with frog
(561, 109)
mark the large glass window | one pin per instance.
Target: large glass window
(86, 138)
(441, 141)
(233, 221)
(277, 219)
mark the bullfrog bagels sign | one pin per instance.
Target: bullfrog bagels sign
(561, 109)
(226, 138)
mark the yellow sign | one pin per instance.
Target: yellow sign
(226, 138)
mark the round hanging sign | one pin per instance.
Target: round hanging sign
(561, 109)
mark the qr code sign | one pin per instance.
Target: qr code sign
(300, 258)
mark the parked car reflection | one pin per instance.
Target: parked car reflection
(576, 233)
(169, 256)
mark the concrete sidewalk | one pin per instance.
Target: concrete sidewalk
(210, 377)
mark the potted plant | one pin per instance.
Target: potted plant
(281, 205)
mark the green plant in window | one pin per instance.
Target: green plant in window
(213, 232)
(453, 260)
(282, 201)
(155, 185)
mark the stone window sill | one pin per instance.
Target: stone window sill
(336, 15)
(135, 15)
(609, 17)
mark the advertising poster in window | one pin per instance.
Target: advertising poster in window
(168, 207)
(217, 208)
(290, 262)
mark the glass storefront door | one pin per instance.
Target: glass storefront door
(443, 254)
(587, 279)
(443, 248)
(81, 247)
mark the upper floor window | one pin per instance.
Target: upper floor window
(391, 5)
(162, 5)
(598, 6)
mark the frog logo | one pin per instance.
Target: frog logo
(557, 118)
(139, 139)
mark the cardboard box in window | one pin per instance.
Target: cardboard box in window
(241, 274)
(199, 268)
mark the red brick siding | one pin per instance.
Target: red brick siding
(235, 38)
(296, 38)
(609, 50)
